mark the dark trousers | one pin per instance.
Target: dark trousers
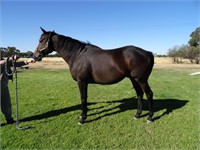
(5, 98)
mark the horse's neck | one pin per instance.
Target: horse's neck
(65, 48)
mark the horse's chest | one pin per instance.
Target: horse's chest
(79, 73)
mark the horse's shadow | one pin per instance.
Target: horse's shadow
(169, 105)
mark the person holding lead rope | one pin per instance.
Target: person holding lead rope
(5, 94)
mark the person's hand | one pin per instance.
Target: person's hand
(15, 58)
(31, 60)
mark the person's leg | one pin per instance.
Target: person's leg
(5, 100)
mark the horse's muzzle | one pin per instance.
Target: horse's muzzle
(37, 58)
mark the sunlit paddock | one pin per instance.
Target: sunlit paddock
(49, 102)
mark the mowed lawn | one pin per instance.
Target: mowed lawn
(49, 102)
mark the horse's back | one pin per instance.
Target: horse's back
(129, 61)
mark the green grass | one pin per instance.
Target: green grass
(49, 102)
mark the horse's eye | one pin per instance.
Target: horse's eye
(41, 40)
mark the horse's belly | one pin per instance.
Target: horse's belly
(107, 76)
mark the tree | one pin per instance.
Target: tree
(195, 38)
(190, 51)
(12, 50)
(193, 54)
(173, 52)
(4, 51)
(194, 45)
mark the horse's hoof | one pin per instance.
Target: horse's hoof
(79, 123)
(135, 118)
(149, 121)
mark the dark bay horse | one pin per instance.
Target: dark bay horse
(91, 64)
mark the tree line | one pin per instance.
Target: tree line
(9, 51)
(189, 51)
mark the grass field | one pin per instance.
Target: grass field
(49, 102)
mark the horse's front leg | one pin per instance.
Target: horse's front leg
(83, 92)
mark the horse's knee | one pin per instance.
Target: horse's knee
(149, 95)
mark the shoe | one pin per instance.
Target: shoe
(10, 121)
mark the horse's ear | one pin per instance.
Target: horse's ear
(43, 30)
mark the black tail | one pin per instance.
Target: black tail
(151, 56)
(150, 66)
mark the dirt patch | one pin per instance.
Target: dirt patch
(48, 63)
(59, 63)
(169, 60)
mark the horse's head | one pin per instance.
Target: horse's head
(45, 45)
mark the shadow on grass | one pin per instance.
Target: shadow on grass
(169, 105)
(123, 105)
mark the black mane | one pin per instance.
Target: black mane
(71, 45)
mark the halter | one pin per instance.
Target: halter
(46, 46)
(41, 51)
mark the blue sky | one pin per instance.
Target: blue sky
(152, 25)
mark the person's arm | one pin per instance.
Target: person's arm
(3, 61)
(26, 62)
(18, 64)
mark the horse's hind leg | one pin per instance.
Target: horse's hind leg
(146, 88)
(140, 94)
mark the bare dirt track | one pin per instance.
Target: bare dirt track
(49, 63)
(160, 62)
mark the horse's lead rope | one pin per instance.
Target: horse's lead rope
(14, 71)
